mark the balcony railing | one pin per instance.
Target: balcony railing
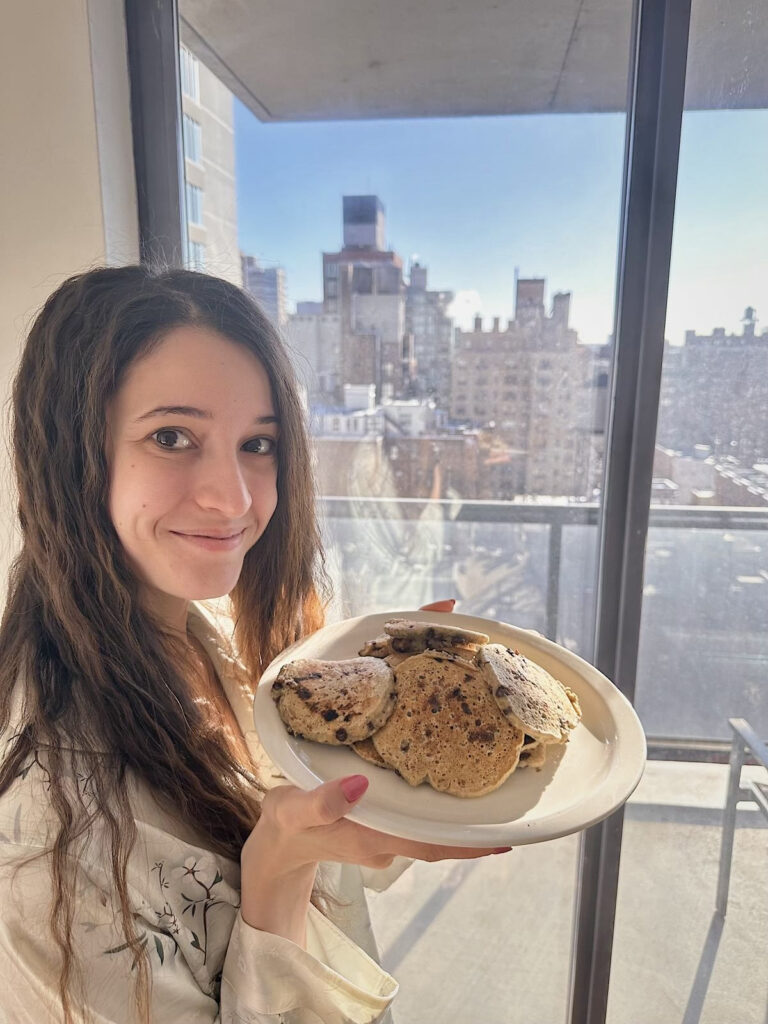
(704, 650)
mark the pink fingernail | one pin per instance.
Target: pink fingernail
(501, 849)
(353, 787)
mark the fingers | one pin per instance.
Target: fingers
(294, 810)
(312, 826)
(439, 606)
(334, 799)
(432, 853)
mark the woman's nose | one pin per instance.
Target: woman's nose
(221, 485)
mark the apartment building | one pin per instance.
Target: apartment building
(209, 163)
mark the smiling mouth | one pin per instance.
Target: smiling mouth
(210, 536)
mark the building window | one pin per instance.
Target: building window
(193, 140)
(331, 269)
(195, 256)
(190, 75)
(194, 204)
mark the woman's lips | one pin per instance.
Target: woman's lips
(209, 543)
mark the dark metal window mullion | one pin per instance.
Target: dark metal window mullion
(654, 115)
(152, 29)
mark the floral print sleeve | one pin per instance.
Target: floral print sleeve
(206, 964)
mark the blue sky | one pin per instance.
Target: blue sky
(475, 198)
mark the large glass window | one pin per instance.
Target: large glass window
(703, 645)
(446, 285)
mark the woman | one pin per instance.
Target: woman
(147, 869)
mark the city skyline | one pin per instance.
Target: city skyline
(450, 206)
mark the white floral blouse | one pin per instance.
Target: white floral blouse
(207, 964)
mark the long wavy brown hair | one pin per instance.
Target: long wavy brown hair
(104, 697)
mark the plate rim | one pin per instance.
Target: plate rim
(604, 799)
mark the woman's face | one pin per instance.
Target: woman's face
(192, 439)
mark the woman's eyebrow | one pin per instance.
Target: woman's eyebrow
(190, 410)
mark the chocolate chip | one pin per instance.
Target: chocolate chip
(303, 692)
(341, 735)
(481, 736)
(330, 715)
(466, 708)
(405, 746)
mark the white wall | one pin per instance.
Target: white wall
(68, 198)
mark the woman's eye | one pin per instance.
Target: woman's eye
(261, 445)
(172, 439)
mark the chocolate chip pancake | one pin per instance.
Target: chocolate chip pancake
(336, 702)
(533, 754)
(528, 696)
(412, 637)
(368, 752)
(446, 729)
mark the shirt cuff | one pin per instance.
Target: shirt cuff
(379, 879)
(333, 979)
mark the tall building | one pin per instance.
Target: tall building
(314, 341)
(363, 285)
(209, 161)
(714, 392)
(267, 285)
(428, 323)
(531, 383)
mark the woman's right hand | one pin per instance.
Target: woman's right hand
(296, 831)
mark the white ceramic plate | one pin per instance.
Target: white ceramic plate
(598, 770)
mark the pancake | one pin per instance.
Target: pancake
(336, 702)
(528, 696)
(379, 647)
(368, 752)
(414, 637)
(447, 730)
(533, 754)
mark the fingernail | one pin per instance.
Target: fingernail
(353, 787)
(453, 601)
(501, 849)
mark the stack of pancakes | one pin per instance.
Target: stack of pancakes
(435, 703)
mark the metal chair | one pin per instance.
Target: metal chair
(745, 742)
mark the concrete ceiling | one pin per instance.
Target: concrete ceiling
(308, 60)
